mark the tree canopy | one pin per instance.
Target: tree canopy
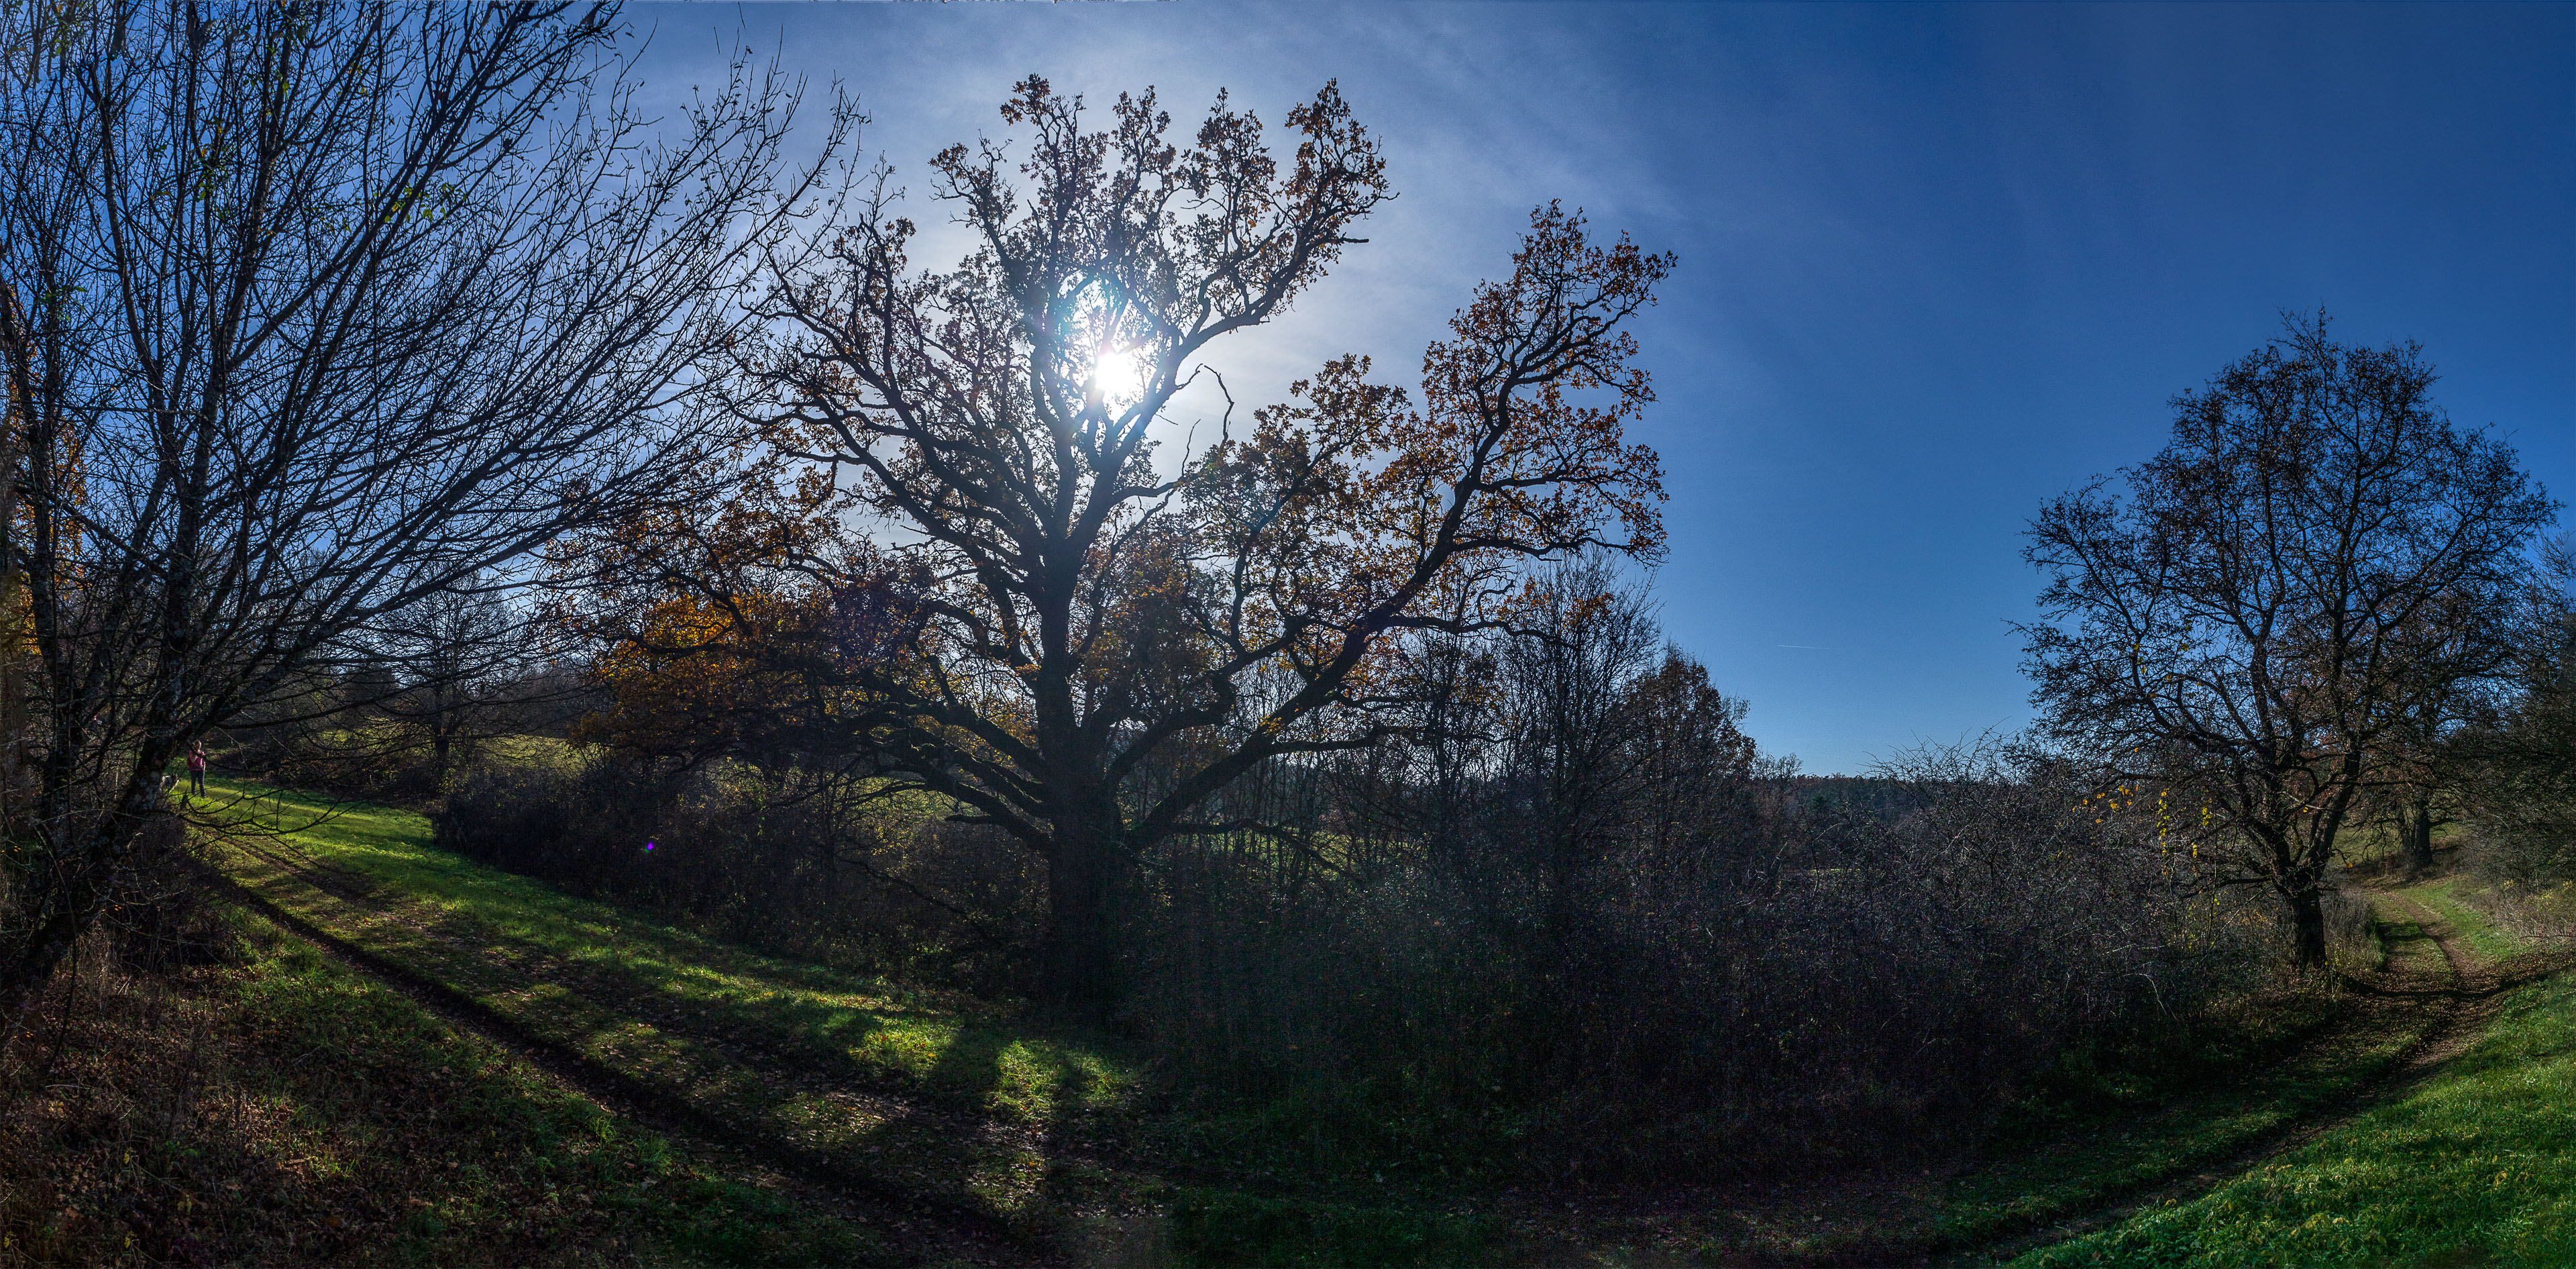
(1078, 639)
(316, 313)
(2261, 622)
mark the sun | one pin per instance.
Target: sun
(1118, 374)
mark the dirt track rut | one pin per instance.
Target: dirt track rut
(2462, 996)
(948, 1232)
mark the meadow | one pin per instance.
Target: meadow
(994, 1128)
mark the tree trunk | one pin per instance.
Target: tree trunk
(2415, 828)
(17, 422)
(1078, 956)
(2308, 916)
(1560, 897)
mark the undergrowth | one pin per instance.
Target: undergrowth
(676, 1009)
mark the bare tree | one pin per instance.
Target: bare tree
(323, 309)
(462, 660)
(1571, 769)
(2314, 558)
(1093, 646)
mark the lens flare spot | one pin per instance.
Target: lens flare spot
(1119, 374)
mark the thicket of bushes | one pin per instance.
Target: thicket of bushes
(1574, 928)
(2521, 857)
(783, 861)
(2520, 798)
(1816, 983)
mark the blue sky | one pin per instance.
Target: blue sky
(1937, 263)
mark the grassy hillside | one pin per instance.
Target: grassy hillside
(938, 1097)
(287, 1111)
(2233, 1097)
(2470, 1167)
(2483, 937)
(440, 911)
(1047, 1135)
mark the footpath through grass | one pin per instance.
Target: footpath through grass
(2475, 1165)
(942, 1098)
(285, 1111)
(967, 1105)
(948, 1048)
(2481, 935)
(698, 1021)
(2131, 1139)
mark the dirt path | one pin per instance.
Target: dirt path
(942, 1231)
(2462, 995)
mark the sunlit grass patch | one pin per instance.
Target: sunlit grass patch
(2475, 1166)
(2488, 940)
(729, 1035)
(2205, 1113)
(2189, 1133)
(955, 1049)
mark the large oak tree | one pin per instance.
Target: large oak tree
(1080, 639)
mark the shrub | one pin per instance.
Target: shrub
(787, 862)
(1822, 982)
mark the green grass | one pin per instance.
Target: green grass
(2469, 1168)
(2200, 1112)
(681, 1015)
(288, 1111)
(947, 1047)
(502, 1130)
(2482, 935)
(674, 1009)
(526, 750)
(1211, 1227)
(678, 1011)
(2370, 845)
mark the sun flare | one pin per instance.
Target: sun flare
(1119, 374)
